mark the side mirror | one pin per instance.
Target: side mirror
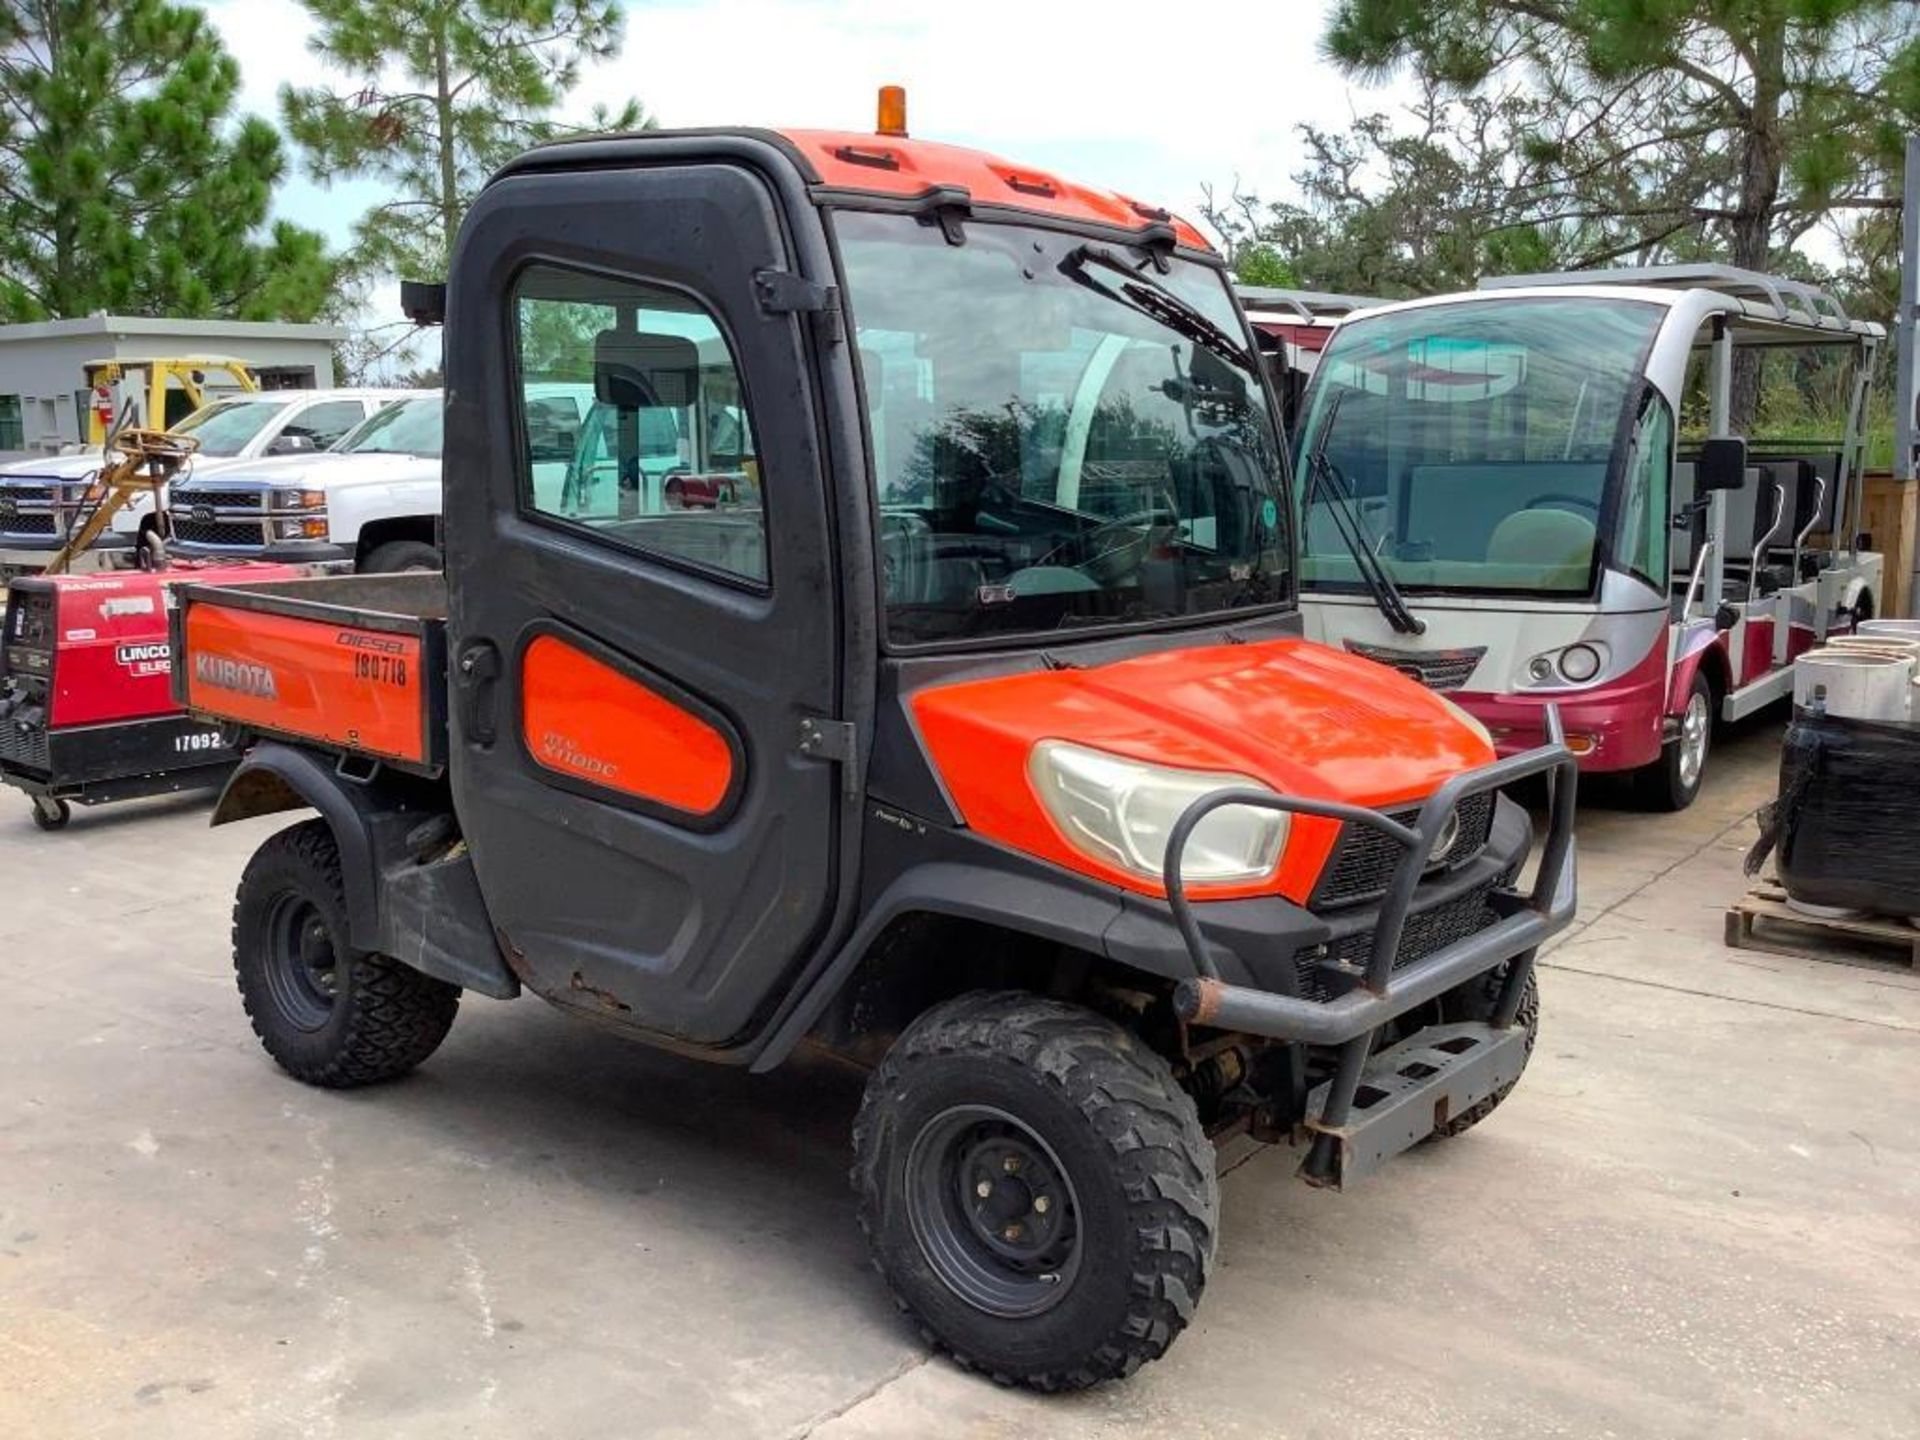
(1722, 464)
(424, 302)
(291, 445)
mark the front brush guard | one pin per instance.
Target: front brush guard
(1383, 992)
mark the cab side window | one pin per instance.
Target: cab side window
(326, 422)
(662, 460)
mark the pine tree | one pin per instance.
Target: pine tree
(126, 182)
(482, 75)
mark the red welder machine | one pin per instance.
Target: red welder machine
(86, 708)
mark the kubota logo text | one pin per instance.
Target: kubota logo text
(564, 751)
(227, 674)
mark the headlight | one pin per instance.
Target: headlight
(299, 499)
(1466, 718)
(1123, 812)
(1575, 664)
(1579, 663)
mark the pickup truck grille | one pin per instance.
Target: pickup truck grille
(1426, 931)
(1364, 859)
(27, 510)
(217, 532)
(184, 499)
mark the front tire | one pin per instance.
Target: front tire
(1036, 1190)
(328, 1014)
(1478, 999)
(1672, 782)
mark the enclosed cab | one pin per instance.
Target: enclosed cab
(372, 502)
(43, 501)
(1531, 496)
(969, 733)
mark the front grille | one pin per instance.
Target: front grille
(1425, 933)
(218, 532)
(28, 494)
(27, 525)
(1435, 669)
(1364, 859)
(179, 499)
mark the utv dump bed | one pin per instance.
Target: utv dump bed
(354, 663)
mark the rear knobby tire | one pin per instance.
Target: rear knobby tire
(1048, 1092)
(328, 1014)
(1477, 1000)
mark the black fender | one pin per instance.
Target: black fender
(422, 910)
(1008, 892)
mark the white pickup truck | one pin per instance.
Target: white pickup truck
(41, 498)
(372, 501)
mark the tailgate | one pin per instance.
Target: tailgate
(355, 663)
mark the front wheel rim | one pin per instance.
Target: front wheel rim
(994, 1211)
(1694, 728)
(302, 967)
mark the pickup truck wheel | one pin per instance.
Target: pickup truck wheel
(1036, 1190)
(1476, 1000)
(328, 1014)
(398, 555)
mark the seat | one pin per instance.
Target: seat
(1542, 537)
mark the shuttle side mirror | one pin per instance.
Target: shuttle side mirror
(1722, 464)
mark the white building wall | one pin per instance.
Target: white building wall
(43, 364)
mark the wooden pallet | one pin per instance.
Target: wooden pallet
(1767, 903)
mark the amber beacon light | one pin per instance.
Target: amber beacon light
(893, 111)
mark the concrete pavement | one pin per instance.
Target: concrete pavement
(1696, 1217)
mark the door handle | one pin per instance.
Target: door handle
(479, 677)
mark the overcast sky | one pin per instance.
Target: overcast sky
(1152, 100)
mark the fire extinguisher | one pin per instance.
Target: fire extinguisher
(103, 408)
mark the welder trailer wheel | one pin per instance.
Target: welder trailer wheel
(1036, 1190)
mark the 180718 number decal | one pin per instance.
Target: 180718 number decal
(380, 669)
(196, 740)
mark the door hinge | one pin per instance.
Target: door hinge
(833, 741)
(782, 292)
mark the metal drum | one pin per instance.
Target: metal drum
(1855, 684)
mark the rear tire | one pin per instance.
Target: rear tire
(398, 555)
(1036, 1190)
(328, 1014)
(1672, 782)
(1477, 1000)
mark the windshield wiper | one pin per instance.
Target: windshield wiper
(1156, 302)
(1320, 473)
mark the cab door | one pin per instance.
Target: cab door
(634, 662)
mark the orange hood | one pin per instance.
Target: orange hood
(1304, 719)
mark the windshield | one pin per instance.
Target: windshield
(1475, 442)
(225, 426)
(410, 427)
(1062, 435)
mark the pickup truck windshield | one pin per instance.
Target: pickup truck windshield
(1063, 435)
(412, 427)
(1475, 441)
(226, 426)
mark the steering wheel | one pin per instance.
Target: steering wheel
(1108, 560)
(1558, 501)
